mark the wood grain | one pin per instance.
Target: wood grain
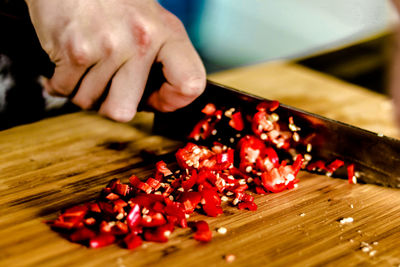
(62, 161)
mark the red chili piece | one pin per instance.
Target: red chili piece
(350, 174)
(203, 232)
(207, 175)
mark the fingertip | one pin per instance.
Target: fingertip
(193, 86)
(172, 97)
(117, 113)
(84, 103)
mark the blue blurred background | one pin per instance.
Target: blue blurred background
(231, 33)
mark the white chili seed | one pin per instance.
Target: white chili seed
(347, 220)
(230, 258)
(275, 117)
(365, 249)
(309, 148)
(372, 253)
(296, 137)
(222, 230)
(249, 169)
(264, 136)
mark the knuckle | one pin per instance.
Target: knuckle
(109, 44)
(143, 34)
(174, 23)
(80, 54)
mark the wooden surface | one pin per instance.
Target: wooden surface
(66, 160)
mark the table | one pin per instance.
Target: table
(65, 160)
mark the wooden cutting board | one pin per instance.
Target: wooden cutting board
(66, 160)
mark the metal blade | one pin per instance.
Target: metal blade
(376, 157)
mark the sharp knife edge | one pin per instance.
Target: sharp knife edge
(376, 157)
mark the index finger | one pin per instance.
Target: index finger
(184, 73)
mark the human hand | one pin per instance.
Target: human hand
(99, 43)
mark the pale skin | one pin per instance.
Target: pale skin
(100, 42)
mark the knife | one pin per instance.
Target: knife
(376, 157)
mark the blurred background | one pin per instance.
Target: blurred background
(349, 39)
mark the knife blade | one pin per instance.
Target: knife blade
(376, 157)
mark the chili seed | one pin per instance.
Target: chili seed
(249, 169)
(189, 163)
(222, 230)
(230, 258)
(229, 112)
(346, 220)
(309, 147)
(290, 177)
(292, 127)
(145, 211)
(372, 253)
(365, 249)
(275, 117)
(167, 233)
(296, 137)
(264, 136)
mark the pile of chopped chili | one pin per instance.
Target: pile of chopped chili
(211, 168)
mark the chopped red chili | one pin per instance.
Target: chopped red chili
(350, 174)
(255, 159)
(203, 232)
(236, 121)
(102, 240)
(132, 241)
